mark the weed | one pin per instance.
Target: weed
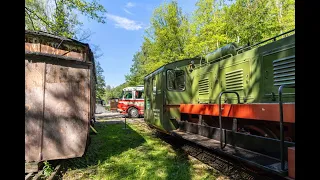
(47, 169)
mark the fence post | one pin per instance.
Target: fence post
(125, 123)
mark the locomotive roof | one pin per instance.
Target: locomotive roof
(162, 67)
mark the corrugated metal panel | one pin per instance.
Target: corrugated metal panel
(284, 71)
(204, 86)
(234, 80)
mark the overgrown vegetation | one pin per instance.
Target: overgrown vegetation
(135, 153)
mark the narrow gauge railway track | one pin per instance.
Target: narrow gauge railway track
(232, 168)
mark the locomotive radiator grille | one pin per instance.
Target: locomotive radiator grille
(204, 86)
(284, 71)
(234, 80)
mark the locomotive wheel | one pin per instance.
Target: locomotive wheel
(133, 112)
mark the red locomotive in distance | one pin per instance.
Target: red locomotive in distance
(131, 101)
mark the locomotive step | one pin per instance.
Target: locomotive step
(262, 161)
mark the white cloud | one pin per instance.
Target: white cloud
(127, 11)
(130, 5)
(125, 23)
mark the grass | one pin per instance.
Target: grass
(134, 153)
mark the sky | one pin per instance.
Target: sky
(122, 34)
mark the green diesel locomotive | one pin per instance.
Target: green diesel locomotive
(239, 101)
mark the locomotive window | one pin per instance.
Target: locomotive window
(176, 80)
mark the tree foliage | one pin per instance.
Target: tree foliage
(100, 85)
(214, 23)
(114, 92)
(164, 42)
(58, 16)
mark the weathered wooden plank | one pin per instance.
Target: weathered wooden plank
(29, 176)
(55, 173)
(38, 175)
(34, 89)
(52, 50)
(33, 47)
(31, 167)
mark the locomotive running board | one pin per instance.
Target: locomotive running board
(255, 150)
(261, 161)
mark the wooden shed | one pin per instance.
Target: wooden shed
(60, 83)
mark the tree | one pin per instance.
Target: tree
(116, 91)
(58, 17)
(215, 23)
(164, 42)
(108, 93)
(253, 21)
(208, 28)
(100, 85)
(170, 31)
(137, 71)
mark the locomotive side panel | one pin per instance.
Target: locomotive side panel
(278, 69)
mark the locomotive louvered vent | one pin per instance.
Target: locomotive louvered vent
(234, 80)
(204, 86)
(284, 71)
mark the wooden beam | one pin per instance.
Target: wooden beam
(55, 173)
(31, 167)
(29, 176)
